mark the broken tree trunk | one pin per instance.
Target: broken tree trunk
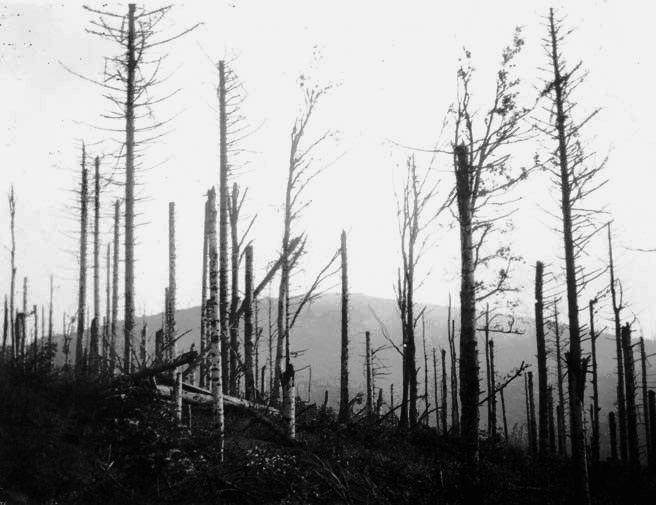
(595, 388)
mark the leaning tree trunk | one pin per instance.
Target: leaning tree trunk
(575, 365)
(543, 415)
(631, 414)
(469, 376)
(215, 355)
(82, 291)
(344, 413)
(503, 413)
(223, 231)
(248, 326)
(129, 324)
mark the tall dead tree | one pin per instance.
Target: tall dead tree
(483, 177)
(423, 339)
(369, 403)
(203, 298)
(612, 427)
(436, 396)
(249, 379)
(631, 411)
(82, 258)
(560, 408)
(94, 347)
(129, 82)
(646, 419)
(543, 413)
(12, 286)
(214, 327)
(4, 330)
(171, 323)
(617, 304)
(595, 442)
(444, 392)
(576, 179)
(493, 393)
(115, 260)
(344, 411)
(455, 411)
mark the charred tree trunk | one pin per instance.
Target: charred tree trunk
(621, 388)
(503, 412)
(652, 428)
(249, 380)
(534, 430)
(12, 287)
(423, 338)
(645, 403)
(4, 330)
(82, 283)
(344, 413)
(560, 407)
(552, 424)
(444, 392)
(613, 436)
(631, 414)
(493, 393)
(595, 442)
(215, 354)
(576, 366)
(94, 351)
(129, 324)
(436, 392)
(542, 361)
(369, 400)
(51, 349)
(469, 373)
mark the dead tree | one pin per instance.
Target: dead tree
(344, 410)
(444, 392)
(595, 442)
(171, 323)
(94, 347)
(617, 309)
(492, 392)
(203, 298)
(560, 408)
(631, 411)
(552, 424)
(82, 279)
(503, 412)
(370, 400)
(215, 356)
(115, 259)
(249, 379)
(455, 412)
(483, 177)
(542, 362)
(613, 436)
(4, 330)
(423, 339)
(436, 396)
(652, 426)
(645, 403)
(576, 179)
(12, 286)
(129, 83)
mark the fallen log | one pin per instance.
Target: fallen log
(152, 371)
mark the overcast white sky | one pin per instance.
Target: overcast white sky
(395, 63)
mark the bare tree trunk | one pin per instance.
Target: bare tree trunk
(436, 392)
(575, 365)
(645, 403)
(369, 401)
(203, 300)
(631, 414)
(12, 288)
(469, 373)
(652, 427)
(82, 292)
(552, 424)
(94, 351)
(178, 396)
(129, 323)
(445, 428)
(613, 436)
(114, 324)
(595, 388)
(344, 413)
(4, 330)
(51, 349)
(108, 309)
(215, 356)
(248, 326)
(503, 413)
(560, 408)
(527, 400)
(534, 427)
(617, 308)
(542, 361)
(172, 334)
(492, 393)
(423, 338)
(233, 216)
(142, 344)
(25, 315)
(223, 231)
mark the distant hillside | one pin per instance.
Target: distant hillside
(317, 334)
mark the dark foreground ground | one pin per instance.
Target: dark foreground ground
(67, 441)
